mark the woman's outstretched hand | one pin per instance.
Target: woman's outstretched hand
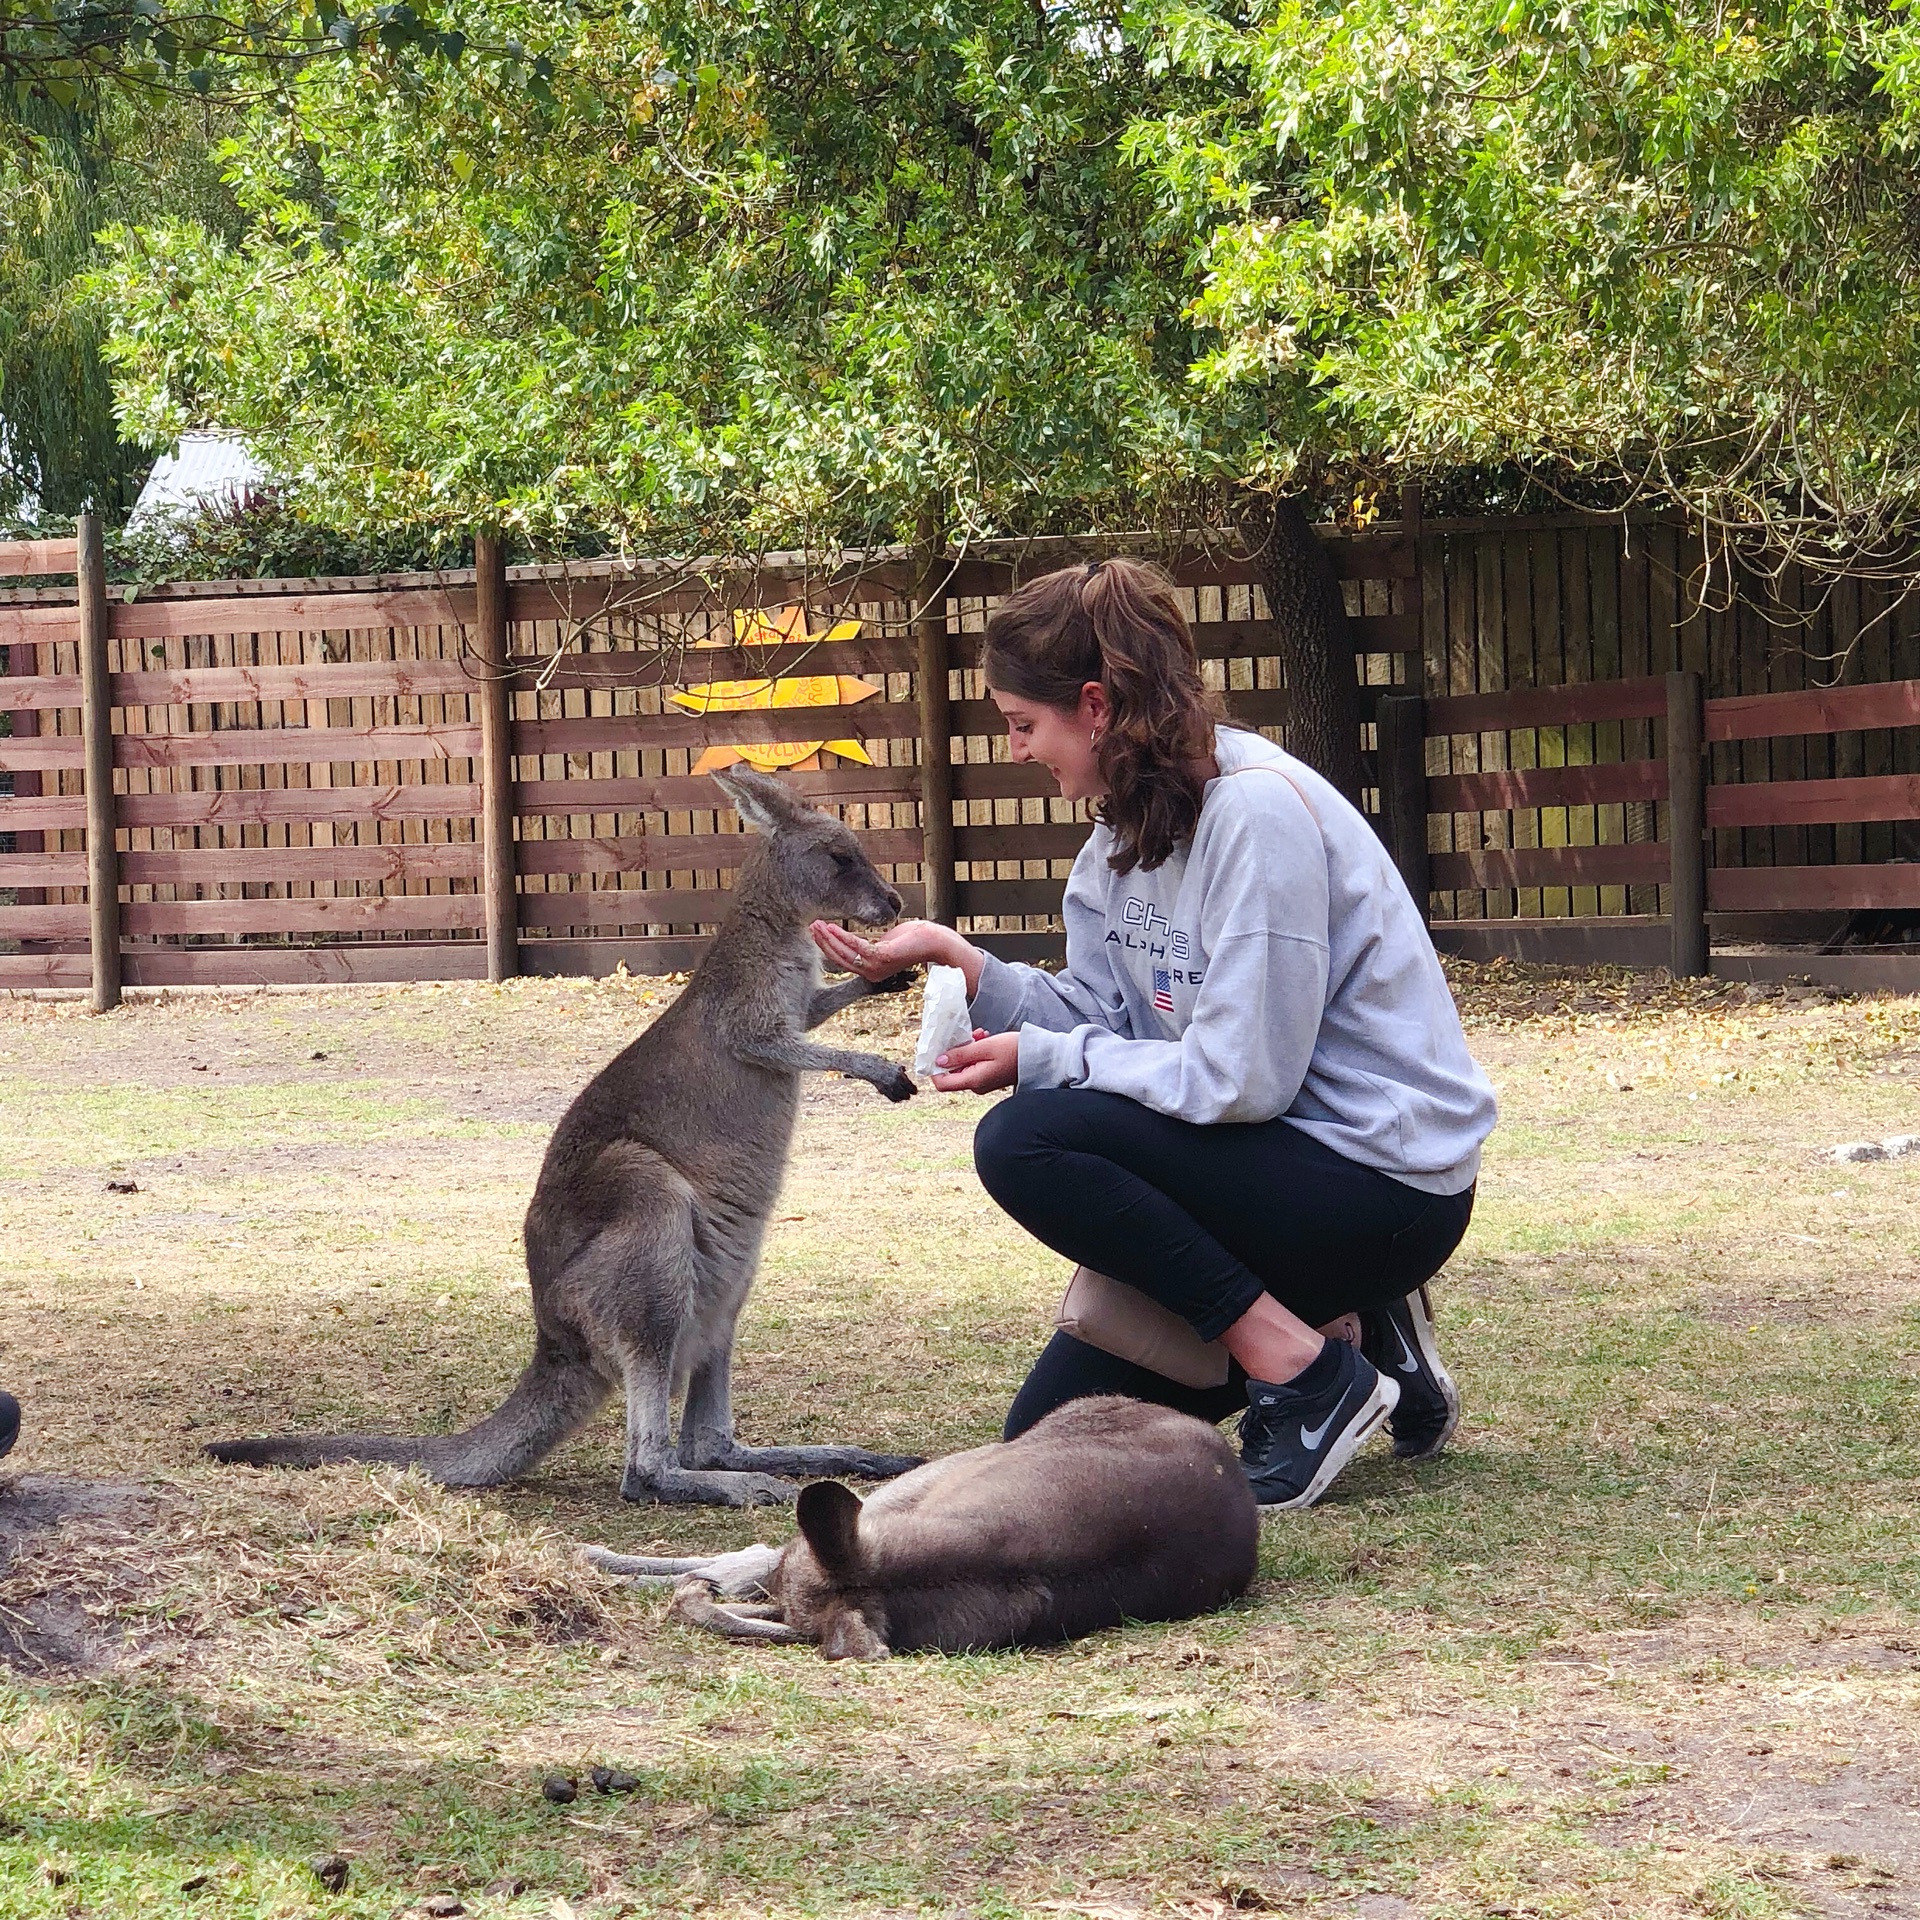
(988, 1062)
(913, 943)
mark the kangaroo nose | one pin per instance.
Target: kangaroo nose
(894, 902)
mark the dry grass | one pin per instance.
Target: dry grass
(1645, 1645)
(383, 1565)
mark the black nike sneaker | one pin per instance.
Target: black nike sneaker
(1398, 1338)
(9, 1423)
(1294, 1443)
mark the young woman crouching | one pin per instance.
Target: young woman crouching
(1248, 1094)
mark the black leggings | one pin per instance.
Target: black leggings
(1203, 1219)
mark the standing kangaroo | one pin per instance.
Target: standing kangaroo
(1106, 1510)
(645, 1228)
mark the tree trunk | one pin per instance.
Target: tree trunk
(1312, 637)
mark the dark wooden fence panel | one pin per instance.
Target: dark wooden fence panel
(1810, 816)
(298, 768)
(1519, 606)
(299, 782)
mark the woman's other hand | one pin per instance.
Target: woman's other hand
(988, 1062)
(913, 943)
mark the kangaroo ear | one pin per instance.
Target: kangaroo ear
(829, 1516)
(763, 803)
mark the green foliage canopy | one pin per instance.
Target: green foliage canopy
(60, 448)
(702, 272)
(1672, 241)
(734, 276)
(68, 56)
(108, 109)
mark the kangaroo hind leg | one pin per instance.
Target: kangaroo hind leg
(642, 1271)
(654, 1473)
(707, 1437)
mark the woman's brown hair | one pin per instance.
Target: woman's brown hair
(1116, 622)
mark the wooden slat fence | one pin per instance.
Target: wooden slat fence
(1673, 873)
(298, 782)
(1513, 608)
(299, 792)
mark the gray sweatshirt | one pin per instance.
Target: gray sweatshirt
(1275, 964)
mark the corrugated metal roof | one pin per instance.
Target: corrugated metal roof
(206, 467)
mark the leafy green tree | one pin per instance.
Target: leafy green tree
(60, 446)
(110, 110)
(68, 56)
(705, 276)
(1663, 243)
(721, 276)
(702, 275)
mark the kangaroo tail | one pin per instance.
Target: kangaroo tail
(553, 1399)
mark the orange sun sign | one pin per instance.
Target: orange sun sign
(752, 628)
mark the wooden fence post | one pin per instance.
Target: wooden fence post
(96, 725)
(1412, 525)
(1402, 755)
(1687, 804)
(936, 725)
(1412, 591)
(502, 911)
(21, 661)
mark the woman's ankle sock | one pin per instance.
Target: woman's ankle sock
(1318, 1374)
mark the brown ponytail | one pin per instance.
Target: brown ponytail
(1116, 622)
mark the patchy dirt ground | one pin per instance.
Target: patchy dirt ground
(1646, 1643)
(51, 1631)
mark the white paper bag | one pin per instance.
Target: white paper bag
(944, 1020)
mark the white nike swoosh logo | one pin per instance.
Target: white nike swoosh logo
(1408, 1364)
(1310, 1437)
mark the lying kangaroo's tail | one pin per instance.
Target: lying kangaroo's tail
(556, 1396)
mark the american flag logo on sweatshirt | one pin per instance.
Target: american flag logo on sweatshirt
(1163, 989)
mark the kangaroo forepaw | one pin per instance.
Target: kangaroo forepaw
(900, 1087)
(896, 982)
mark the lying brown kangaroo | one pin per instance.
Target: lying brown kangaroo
(645, 1228)
(1107, 1510)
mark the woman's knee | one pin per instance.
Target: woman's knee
(1011, 1139)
